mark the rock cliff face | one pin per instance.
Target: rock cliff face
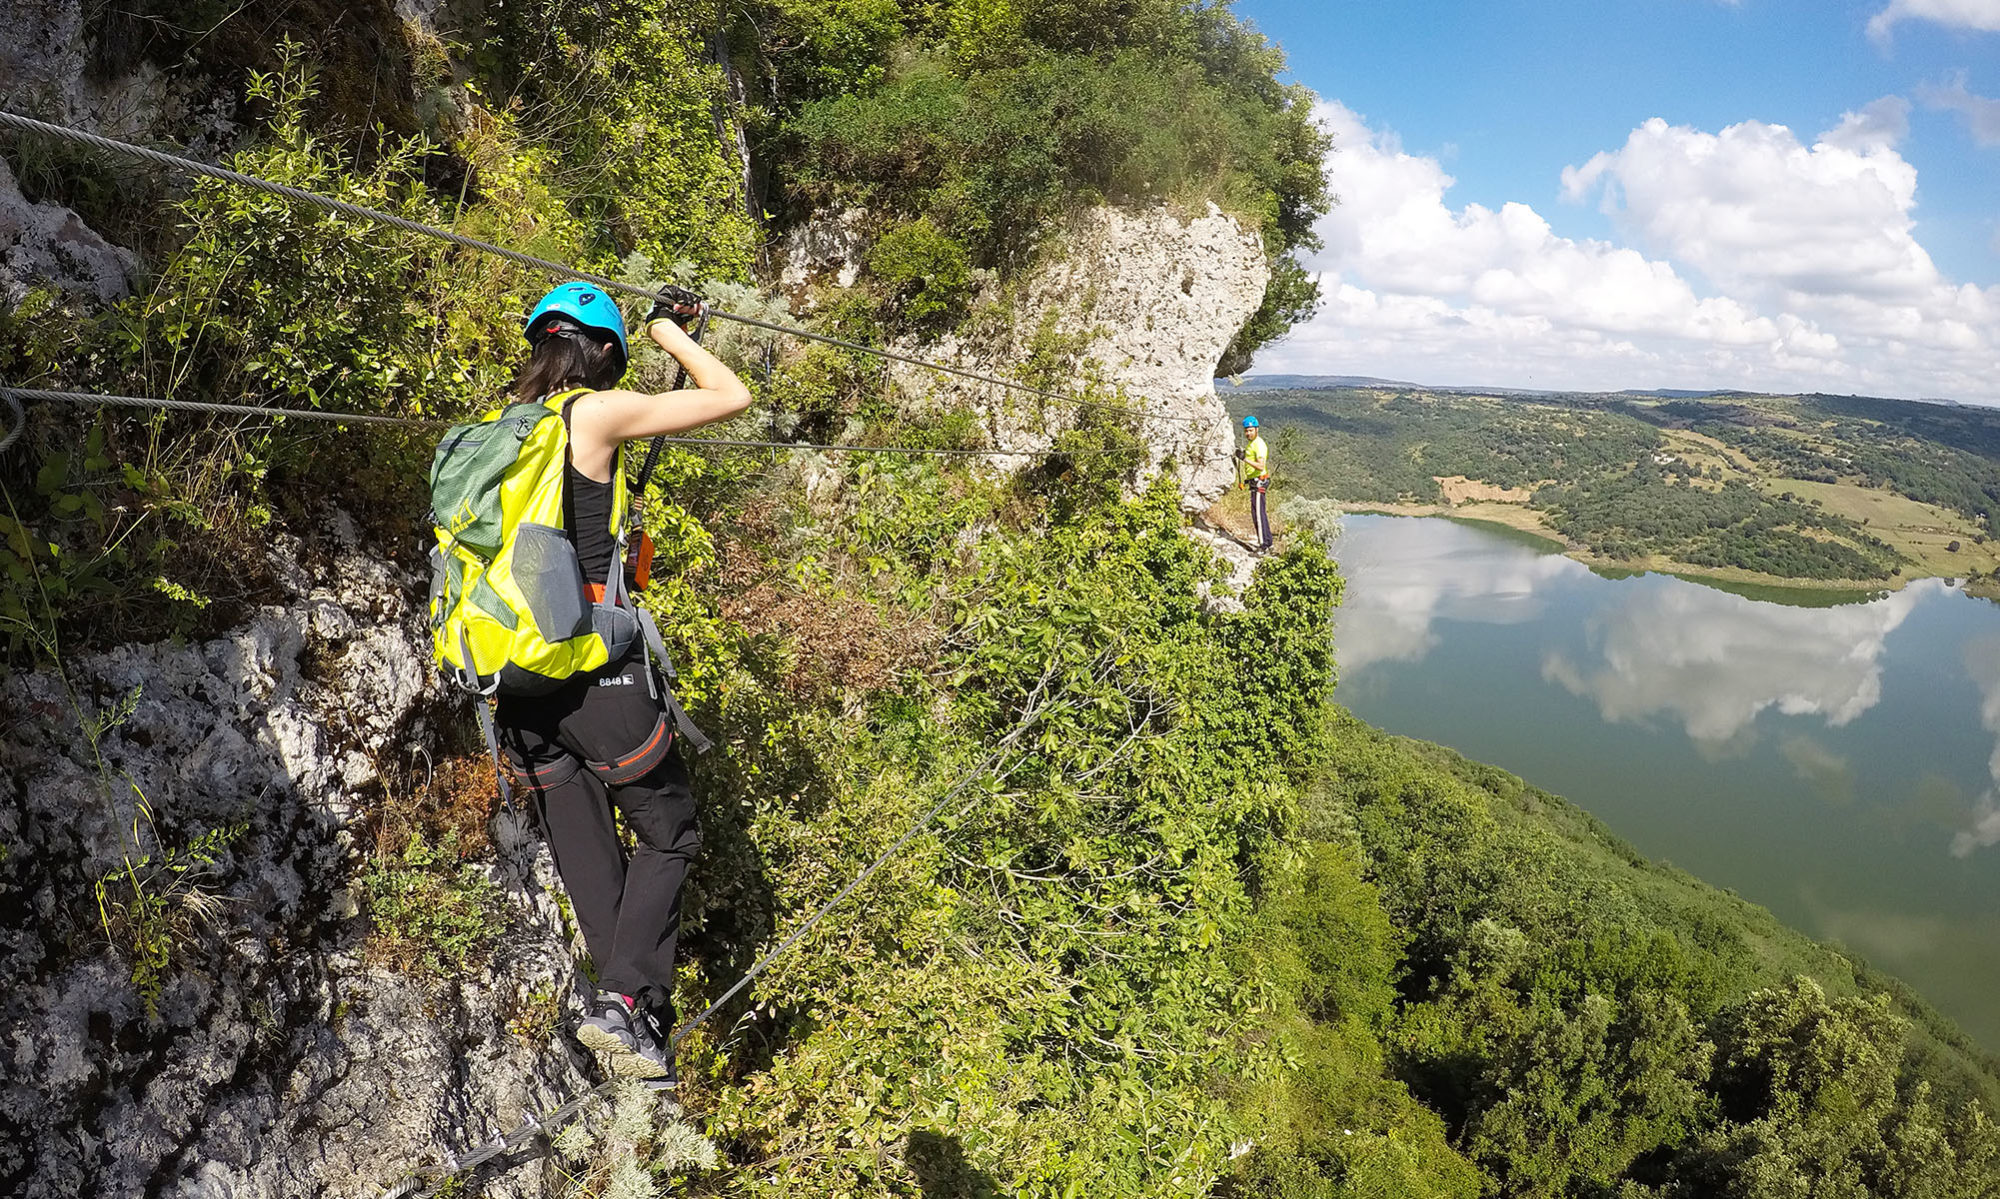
(1161, 298)
(1154, 298)
(46, 59)
(48, 243)
(277, 1061)
(54, 66)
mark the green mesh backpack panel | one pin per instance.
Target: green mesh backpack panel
(467, 470)
(509, 611)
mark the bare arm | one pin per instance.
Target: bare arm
(602, 420)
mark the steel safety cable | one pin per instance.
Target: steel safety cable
(428, 1181)
(96, 399)
(345, 208)
(15, 394)
(19, 423)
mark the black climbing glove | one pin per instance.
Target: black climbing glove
(676, 304)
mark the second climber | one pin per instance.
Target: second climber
(1254, 472)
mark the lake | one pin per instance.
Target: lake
(1837, 764)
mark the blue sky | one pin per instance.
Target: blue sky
(1767, 194)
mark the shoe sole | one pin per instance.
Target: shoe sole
(625, 1061)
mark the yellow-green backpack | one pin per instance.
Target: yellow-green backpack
(509, 608)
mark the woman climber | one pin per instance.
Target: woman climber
(607, 738)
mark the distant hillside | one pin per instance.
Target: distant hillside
(1843, 490)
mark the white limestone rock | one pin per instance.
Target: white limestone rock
(1159, 298)
(1226, 595)
(276, 1062)
(830, 247)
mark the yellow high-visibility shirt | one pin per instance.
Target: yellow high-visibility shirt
(1257, 459)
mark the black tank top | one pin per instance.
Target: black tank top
(587, 515)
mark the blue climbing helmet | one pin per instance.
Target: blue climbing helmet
(1249, 422)
(578, 308)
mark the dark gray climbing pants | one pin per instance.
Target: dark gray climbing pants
(1258, 512)
(603, 741)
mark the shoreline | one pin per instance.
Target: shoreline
(1525, 522)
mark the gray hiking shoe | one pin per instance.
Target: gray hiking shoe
(653, 1049)
(630, 1039)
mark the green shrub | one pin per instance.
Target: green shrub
(926, 272)
(158, 903)
(995, 121)
(997, 157)
(624, 99)
(429, 913)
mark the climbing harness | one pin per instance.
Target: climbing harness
(344, 208)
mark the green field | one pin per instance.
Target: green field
(1920, 532)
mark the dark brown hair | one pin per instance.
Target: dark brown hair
(559, 362)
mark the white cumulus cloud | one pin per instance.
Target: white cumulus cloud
(1875, 126)
(1760, 213)
(1748, 259)
(1394, 231)
(1981, 16)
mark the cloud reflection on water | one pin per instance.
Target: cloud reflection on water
(1431, 570)
(1711, 659)
(1706, 660)
(1829, 773)
(1982, 662)
(1715, 660)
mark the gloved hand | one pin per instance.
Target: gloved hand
(676, 304)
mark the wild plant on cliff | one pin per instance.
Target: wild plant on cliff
(1015, 998)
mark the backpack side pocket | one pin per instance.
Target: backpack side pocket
(546, 571)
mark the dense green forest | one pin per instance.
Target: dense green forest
(1391, 447)
(1652, 509)
(1582, 1021)
(1194, 931)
